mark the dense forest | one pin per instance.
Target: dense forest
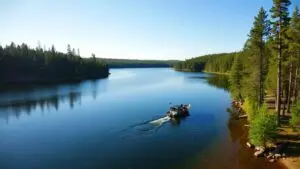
(133, 63)
(22, 64)
(209, 63)
(266, 70)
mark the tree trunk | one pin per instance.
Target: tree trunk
(295, 86)
(278, 99)
(289, 91)
(283, 95)
(260, 95)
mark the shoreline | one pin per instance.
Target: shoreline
(50, 81)
(217, 73)
(284, 134)
(187, 70)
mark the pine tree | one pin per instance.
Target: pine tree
(53, 49)
(94, 57)
(295, 120)
(263, 127)
(78, 52)
(294, 51)
(73, 52)
(257, 38)
(69, 51)
(236, 77)
(280, 23)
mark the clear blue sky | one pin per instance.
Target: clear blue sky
(140, 29)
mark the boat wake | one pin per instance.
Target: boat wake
(160, 121)
(146, 127)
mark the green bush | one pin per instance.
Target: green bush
(249, 107)
(295, 112)
(263, 127)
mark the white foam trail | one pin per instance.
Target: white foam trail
(161, 120)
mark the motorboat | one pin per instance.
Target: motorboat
(178, 111)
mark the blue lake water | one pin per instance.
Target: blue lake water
(105, 124)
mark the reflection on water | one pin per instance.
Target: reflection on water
(15, 100)
(215, 80)
(16, 107)
(219, 81)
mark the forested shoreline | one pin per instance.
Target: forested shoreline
(134, 63)
(220, 63)
(264, 75)
(22, 64)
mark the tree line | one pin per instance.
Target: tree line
(210, 63)
(134, 63)
(22, 64)
(267, 67)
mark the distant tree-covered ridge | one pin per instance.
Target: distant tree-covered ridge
(22, 64)
(134, 63)
(220, 63)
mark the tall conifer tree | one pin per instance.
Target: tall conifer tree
(236, 77)
(294, 52)
(280, 16)
(257, 38)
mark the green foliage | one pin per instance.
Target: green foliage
(271, 51)
(210, 63)
(295, 111)
(21, 64)
(236, 76)
(250, 108)
(281, 19)
(260, 30)
(294, 38)
(133, 63)
(263, 127)
(271, 78)
(280, 16)
(256, 44)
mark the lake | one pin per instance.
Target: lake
(106, 124)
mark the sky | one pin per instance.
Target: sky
(132, 29)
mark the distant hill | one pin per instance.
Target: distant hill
(135, 63)
(217, 63)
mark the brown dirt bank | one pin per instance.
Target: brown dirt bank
(292, 151)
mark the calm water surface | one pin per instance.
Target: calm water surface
(105, 124)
